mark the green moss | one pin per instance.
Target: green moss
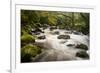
(29, 51)
(82, 46)
(26, 39)
(23, 32)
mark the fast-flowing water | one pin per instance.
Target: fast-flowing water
(57, 49)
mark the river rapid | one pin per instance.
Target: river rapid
(58, 49)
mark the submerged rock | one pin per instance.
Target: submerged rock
(63, 37)
(68, 32)
(62, 42)
(82, 54)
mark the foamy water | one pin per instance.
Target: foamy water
(58, 47)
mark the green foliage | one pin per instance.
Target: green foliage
(65, 20)
(86, 19)
(29, 51)
(32, 19)
(26, 39)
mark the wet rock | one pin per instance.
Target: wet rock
(81, 46)
(36, 31)
(53, 27)
(63, 37)
(62, 42)
(77, 33)
(71, 45)
(56, 32)
(45, 26)
(32, 30)
(42, 37)
(68, 32)
(82, 54)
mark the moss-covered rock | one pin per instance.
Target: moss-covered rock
(81, 46)
(26, 39)
(63, 37)
(82, 54)
(29, 51)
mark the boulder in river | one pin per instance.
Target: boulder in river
(42, 37)
(56, 32)
(68, 32)
(77, 33)
(81, 46)
(53, 27)
(71, 45)
(82, 54)
(63, 37)
(37, 31)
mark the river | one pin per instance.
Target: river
(57, 49)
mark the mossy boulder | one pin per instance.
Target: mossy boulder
(82, 54)
(63, 37)
(29, 51)
(26, 39)
(81, 46)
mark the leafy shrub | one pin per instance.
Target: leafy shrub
(82, 46)
(29, 51)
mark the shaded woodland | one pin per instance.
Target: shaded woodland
(32, 21)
